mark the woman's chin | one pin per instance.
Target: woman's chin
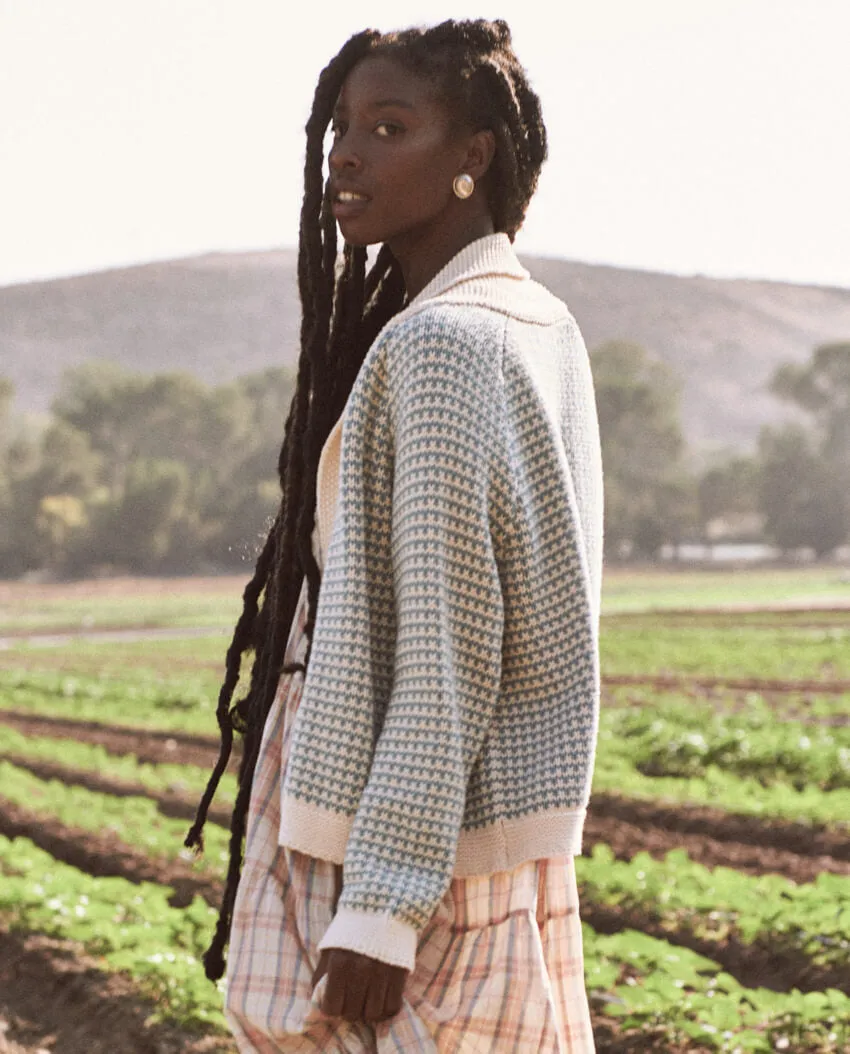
(356, 235)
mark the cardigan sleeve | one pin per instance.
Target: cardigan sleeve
(445, 394)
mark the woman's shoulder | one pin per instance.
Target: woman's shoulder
(441, 322)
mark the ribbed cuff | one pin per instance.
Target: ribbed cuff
(379, 936)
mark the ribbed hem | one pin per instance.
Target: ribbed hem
(505, 845)
(501, 846)
(379, 936)
(313, 830)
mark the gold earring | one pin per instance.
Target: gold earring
(463, 185)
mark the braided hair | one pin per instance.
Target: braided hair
(474, 68)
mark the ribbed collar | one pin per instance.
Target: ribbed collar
(491, 255)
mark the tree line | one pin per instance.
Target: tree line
(164, 474)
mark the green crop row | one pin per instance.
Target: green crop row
(647, 983)
(651, 985)
(136, 699)
(130, 928)
(615, 773)
(719, 904)
(821, 652)
(683, 740)
(806, 707)
(178, 604)
(135, 820)
(755, 715)
(87, 757)
(656, 589)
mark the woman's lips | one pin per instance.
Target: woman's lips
(348, 203)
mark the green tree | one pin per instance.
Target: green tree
(727, 492)
(649, 495)
(145, 472)
(822, 388)
(804, 503)
(135, 529)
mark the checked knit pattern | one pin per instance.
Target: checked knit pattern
(453, 685)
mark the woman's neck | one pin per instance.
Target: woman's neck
(421, 256)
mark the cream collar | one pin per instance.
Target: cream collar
(487, 273)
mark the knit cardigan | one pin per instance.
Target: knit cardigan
(448, 718)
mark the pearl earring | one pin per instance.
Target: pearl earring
(463, 185)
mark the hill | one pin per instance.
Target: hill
(220, 315)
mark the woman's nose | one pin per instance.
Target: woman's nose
(342, 155)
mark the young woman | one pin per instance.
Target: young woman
(419, 734)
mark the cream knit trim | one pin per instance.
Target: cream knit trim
(379, 936)
(505, 845)
(501, 846)
(313, 830)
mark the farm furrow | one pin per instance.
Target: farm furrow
(147, 745)
(689, 683)
(797, 838)
(609, 1037)
(808, 710)
(176, 806)
(626, 839)
(795, 849)
(608, 824)
(55, 997)
(752, 965)
(104, 854)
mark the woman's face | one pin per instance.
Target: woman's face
(394, 157)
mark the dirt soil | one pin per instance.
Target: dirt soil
(787, 706)
(148, 745)
(653, 829)
(758, 965)
(102, 853)
(180, 806)
(688, 683)
(714, 837)
(813, 842)
(769, 965)
(12, 592)
(54, 1000)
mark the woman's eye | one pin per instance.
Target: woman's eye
(386, 129)
(338, 130)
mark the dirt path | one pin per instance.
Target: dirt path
(767, 964)
(752, 831)
(624, 825)
(148, 745)
(626, 839)
(104, 854)
(693, 684)
(785, 707)
(55, 638)
(176, 805)
(54, 1000)
(751, 843)
(758, 965)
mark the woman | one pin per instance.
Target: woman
(415, 788)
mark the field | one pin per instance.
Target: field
(715, 879)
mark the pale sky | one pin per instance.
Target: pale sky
(691, 136)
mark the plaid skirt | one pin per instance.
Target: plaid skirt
(499, 967)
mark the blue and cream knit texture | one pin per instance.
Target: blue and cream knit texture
(449, 712)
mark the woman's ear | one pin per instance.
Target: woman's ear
(481, 150)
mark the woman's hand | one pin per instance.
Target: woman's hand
(359, 988)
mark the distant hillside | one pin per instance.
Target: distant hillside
(221, 315)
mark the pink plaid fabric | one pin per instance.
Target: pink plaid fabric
(498, 968)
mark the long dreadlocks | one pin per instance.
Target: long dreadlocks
(343, 309)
